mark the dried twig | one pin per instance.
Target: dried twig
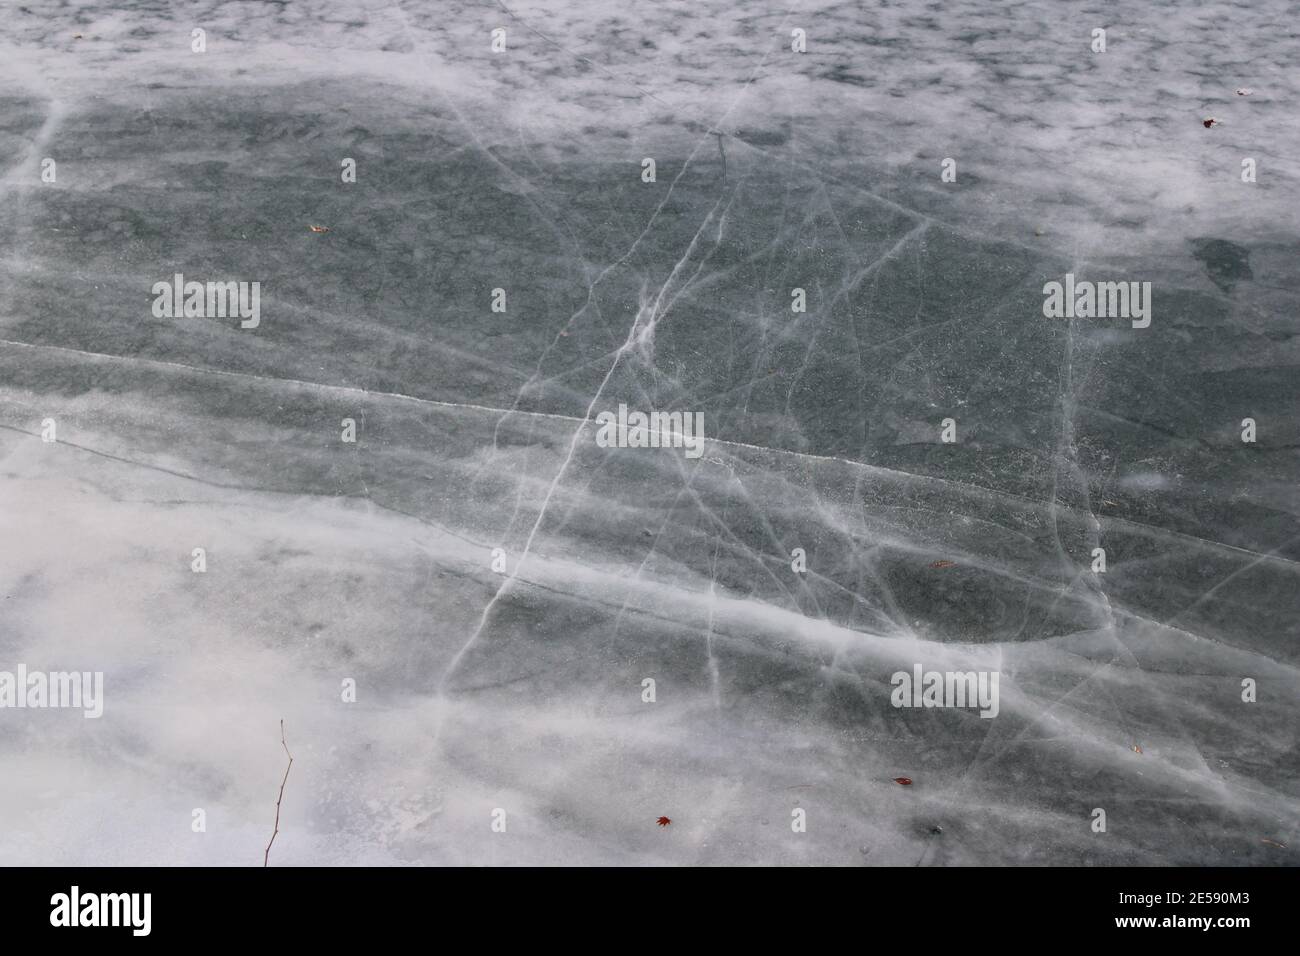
(266, 856)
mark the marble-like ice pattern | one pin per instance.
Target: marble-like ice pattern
(775, 170)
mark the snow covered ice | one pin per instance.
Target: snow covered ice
(493, 639)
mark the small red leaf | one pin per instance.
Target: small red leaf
(943, 564)
(663, 821)
(903, 781)
(1210, 122)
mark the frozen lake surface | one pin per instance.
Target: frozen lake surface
(495, 587)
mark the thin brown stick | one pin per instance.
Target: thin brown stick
(267, 856)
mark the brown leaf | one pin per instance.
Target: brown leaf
(663, 821)
(903, 781)
(1210, 122)
(938, 565)
(1137, 749)
(319, 228)
(1280, 846)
